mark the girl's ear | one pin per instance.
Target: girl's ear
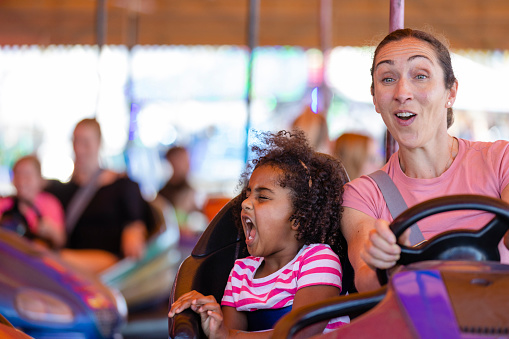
(295, 225)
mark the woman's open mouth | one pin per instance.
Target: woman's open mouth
(405, 118)
(405, 115)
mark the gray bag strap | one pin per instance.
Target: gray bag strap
(395, 202)
(80, 201)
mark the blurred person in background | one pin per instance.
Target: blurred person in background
(315, 127)
(105, 213)
(33, 213)
(180, 194)
(358, 153)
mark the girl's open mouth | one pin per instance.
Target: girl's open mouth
(249, 230)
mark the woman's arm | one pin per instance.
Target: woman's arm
(134, 239)
(371, 245)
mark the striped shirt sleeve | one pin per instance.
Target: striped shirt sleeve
(319, 265)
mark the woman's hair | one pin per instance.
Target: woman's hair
(92, 123)
(316, 182)
(353, 150)
(441, 51)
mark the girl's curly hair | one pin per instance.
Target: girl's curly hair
(315, 179)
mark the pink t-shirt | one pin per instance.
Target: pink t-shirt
(47, 204)
(315, 264)
(479, 168)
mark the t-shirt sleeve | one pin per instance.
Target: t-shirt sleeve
(319, 265)
(51, 208)
(228, 291)
(362, 194)
(500, 160)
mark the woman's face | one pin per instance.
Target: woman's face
(86, 144)
(409, 92)
(27, 180)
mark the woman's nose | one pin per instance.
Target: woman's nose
(403, 91)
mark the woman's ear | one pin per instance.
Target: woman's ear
(452, 94)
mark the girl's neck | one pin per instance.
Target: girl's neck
(275, 262)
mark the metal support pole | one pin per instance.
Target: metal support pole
(252, 42)
(101, 28)
(397, 15)
(325, 24)
(396, 21)
(101, 23)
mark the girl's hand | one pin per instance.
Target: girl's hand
(381, 250)
(208, 309)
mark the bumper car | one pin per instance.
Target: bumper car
(45, 298)
(7, 331)
(452, 286)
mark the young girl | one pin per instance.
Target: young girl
(290, 211)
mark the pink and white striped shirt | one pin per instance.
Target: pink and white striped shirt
(315, 264)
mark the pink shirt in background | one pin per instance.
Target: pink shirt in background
(47, 204)
(479, 168)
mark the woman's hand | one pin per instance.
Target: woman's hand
(46, 229)
(134, 240)
(380, 250)
(208, 309)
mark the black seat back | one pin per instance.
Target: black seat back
(206, 270)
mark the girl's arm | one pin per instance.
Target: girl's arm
(313, 294)
(217, 322)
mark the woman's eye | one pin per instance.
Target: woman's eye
(421, 77)
(262, 197)
(387, 80)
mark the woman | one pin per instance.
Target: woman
(358, 153)
(104, 210)
(40, 213)
(414, 89)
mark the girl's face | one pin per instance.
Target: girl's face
(265, 215)
(86, 144)
(27, 181)
(409, 91)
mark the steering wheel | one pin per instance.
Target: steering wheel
(480, 245)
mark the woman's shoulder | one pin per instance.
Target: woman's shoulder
(497, 145)
(485, 151)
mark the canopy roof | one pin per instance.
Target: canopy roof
(477, 24)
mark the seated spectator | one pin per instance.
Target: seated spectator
(358, 153)
(31, 212)
(181, 195)
(104, 210)
(315, 127)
